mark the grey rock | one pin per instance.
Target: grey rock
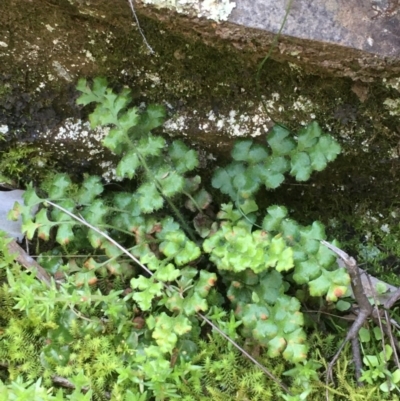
(371, 26)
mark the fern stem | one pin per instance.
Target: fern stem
(175, 210)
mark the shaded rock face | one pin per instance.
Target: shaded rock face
(205, 73)
(368, 25)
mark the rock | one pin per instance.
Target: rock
(207, 75)
(344, 38)
(370, 26)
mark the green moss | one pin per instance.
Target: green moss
(23, 162)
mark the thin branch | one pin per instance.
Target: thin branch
(363, 303)
(355, 346)
(139, 28)
(115, 243)
(392, 300)
(28, 262)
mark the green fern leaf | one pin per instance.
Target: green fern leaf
(326, 258)
(95, 239)
(290, 230)
(149, 289)
(194, 303)
(246, 184)
(306, 271)
(270, 287)
(274, 180)
(29, 227)
(308, 136)
(329, 147)
(94, 214)
(60, 216)
(65, 234)
(248, 151)
(167, 273)
(128, 165)
(301, 166)
(150, 145)
(115, 103)
(229, 213)
(222, 178)
(59, 186)
(248, 206)
(190, 253)
(311, 237)
(149, 198)
(128, 119)
(184, 159)
(296, 349)
(333, 283)
(99, 86)
(317, 158)
(171, 183)
(152, 118)
(205, 282)
(273, 219)
(89, 96)
(90, 188)
(280, 142)
(323, 152)
(250, 314)
(116, 140)
(30, 197)
(240, 151)
(44, 225)
(273, 170)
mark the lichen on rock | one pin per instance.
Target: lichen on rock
(217, 10)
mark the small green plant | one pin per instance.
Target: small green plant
(20, 162)
(377, 371)
(166, 227)
(377, 366)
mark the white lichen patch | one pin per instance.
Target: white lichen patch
(393, 105)
(40, 87)
(110, 171)
(217, 10)
(392, 83)
(254, 121)
(154, 78)
(234, 124)
(3, 44)
(176, 124)
(89, 55)
(49, 28)
(385, 228)
(303, 104)
(3, 129)
(75, 138)
(31, 52)
(79, 132)
(61, 71)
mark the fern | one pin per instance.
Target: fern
(117, 329)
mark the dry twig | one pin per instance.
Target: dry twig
(28, 262)
(366, 311)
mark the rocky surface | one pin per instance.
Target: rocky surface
(369, 25)
(205, 73)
